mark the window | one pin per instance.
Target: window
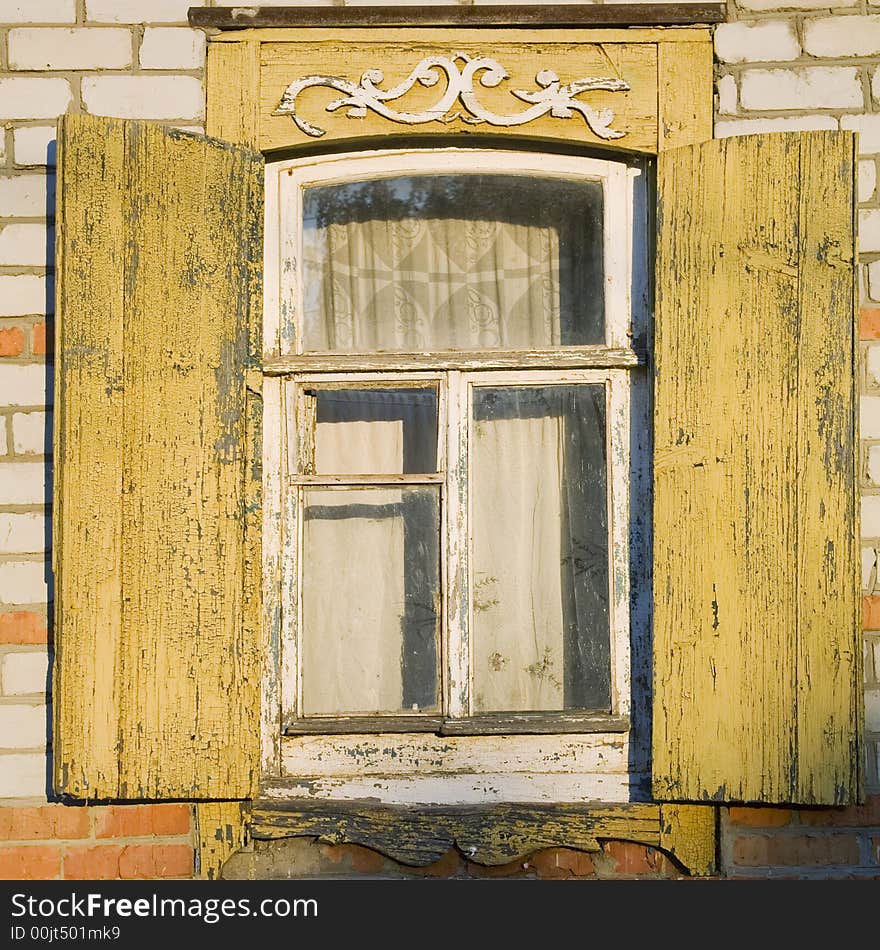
(451, 418)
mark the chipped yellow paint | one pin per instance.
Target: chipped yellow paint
(684, 94)
(232, 91)
(240, 103)
(495, 834)
(689, 834)
(222, 830)
(157, 674)
(756, 645)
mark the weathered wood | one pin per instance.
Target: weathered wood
(221, 830)
(756, 644)
(156, 680)
(684, 94)
(232, 92)
(690, 834)
(494, 725)
(587, 357)
(487, 835)
(571, 56)
(541, 723)
(490, 15)
(428, 754)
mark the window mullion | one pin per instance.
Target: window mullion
(456, 533)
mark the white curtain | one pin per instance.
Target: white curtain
(431, 284)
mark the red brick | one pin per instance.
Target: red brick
(516, 868)
(29, 862)
(147, 861)
(869, 323)
(138, 821)
(560, 863)
(41, 344)
(11, 341)
(450, 865)
(855, 816)
(799, 851)
(128, 862)
(871, 612)
(42, 822)
(23, 626)
(631, 858)
(759, 817)
(92, 862)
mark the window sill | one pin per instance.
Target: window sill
(495, 724)
(493, 834)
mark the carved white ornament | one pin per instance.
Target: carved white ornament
(554, 98)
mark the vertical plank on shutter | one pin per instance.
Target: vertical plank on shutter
(87, 503)
(182, 675)
(684, 94)
(753, 401)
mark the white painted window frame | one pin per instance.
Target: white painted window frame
(456, 769)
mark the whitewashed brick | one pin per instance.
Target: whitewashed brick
(24, 483)
(172, 48)
(813, 87)
(144, 97)
(727, 95)
(869, 574)
(868, 128)
(874, 290)
(23, 776)
(875, 85)
(31, 431)
(872, 364)
(874, 465)
(23, 385)
(26, 97)
(69, 48)
(34, 145)
(27, 196)
(871, 516)
(756, 42)
(869, 417)
(26, 244)
(23, 533)
(24, 582)
(22, 295)
(25, 673)
(137, 11)
(875, 659)
(867, 179)
(802, 123)
(869, 230)
(872, 710)
(842, 36)
(793, 4)
(22, 727)
(38, 11)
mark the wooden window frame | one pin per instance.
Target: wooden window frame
(613, 364)
(237, 98)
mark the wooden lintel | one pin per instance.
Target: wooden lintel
(491, 15)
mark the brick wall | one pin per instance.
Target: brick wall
(807, 64)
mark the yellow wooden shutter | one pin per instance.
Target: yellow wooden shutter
(156, 548)
(757, 692)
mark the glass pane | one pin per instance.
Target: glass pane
(375, 431)
(541, 635)
(371, 601)
(434, 262)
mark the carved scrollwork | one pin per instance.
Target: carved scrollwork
(552, 97)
